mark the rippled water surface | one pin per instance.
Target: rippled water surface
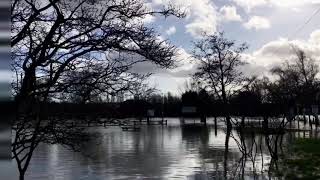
(156, 152)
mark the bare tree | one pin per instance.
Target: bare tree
(218, 71)
(141, 90)
(307, 67)
(50, 39)
(259, 86)
(96, 80)
(189, 85)
(297, 80)
(285, 89)
(218, 68)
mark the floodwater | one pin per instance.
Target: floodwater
(159, 152)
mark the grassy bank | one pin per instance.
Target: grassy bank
(302, 161)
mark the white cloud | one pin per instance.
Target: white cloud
(315, 37)
(297, 10)
(257, 22)
(248, 5)
(168, 83)
(294, 3)
(229, 13)
(204, 18)
(277, 52)
(148, 19)
(184, 62)
(185, 65)
(271, 53)
(171, 30)
(260, 61)
(169, 79)
(201, 15)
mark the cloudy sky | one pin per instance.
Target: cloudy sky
(268, 26)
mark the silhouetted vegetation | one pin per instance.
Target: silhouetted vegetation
(80, 50)
(219, 59)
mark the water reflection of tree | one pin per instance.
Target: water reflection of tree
(198, 138)
(253, 146)
(194, 135)
(256, 155)
(133, 154)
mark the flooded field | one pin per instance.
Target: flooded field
(163, 152)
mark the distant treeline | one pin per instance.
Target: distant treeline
(245, 103)
(139, 108)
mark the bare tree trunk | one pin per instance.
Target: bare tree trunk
(298, 120)
(242, 122)
(215, 126)
(310, 121)
(226, 152)
(229, 124)
(21, 175)
(265, 123)
(304, 117)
